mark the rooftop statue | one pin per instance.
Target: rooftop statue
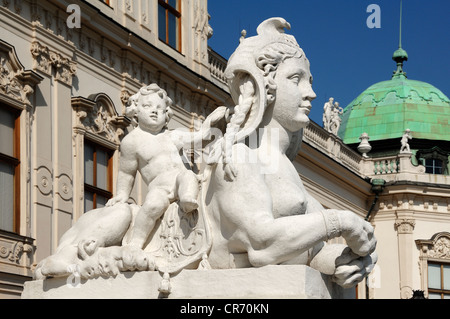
(332, 116)
(405, 141)
(327, 113)
(248, 207)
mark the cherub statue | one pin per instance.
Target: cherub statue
(108, 240)
(405, 139)
(154, 151)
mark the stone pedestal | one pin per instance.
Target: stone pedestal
(274, 282)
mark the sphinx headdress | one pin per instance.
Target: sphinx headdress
(247, 64)
(244, 63)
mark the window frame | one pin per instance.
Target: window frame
(14, 161)
(94, 189)
(435, 154)
(441, 291)
(178, 14)
(433, 166)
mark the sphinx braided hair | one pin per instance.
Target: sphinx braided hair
(246, 100)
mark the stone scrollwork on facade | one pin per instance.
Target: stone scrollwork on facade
(45, 59)
(202, 17)
(10, 85)
(436, 249)
(41, 58)
(97, 115)
(12, 248)
(441, 248)
(15, 251)
(15, 81)
(124, 98)
(65, 69)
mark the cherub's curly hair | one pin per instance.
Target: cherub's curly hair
(147, 90)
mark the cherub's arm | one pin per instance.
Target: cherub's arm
(127, 171)
(186, 139)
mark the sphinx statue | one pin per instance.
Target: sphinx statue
(247, 208)
(261, 212)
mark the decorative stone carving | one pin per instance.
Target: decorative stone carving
(65, 190)
(201, 24)
(15, 81)
(44, 180)
(183, 240)
(12, 248)
(46, 59)
(438, 247)
(124, 97)
(97, 115)
(441, 248)
(248, 208)
(41, 58)
(65, 69)
(405, 226)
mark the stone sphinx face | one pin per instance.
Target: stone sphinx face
(151, 113)
(294, 94)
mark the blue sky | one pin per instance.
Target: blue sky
(346, 56)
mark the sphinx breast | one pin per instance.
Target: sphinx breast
(287, 198)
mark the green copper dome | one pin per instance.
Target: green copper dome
(386, 109)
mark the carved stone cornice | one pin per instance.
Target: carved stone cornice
(15, 82)
(46, 60)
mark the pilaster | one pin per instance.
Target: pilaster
(404, 224)
(53, 159)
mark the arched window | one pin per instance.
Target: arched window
(435, 265)
(97, 138)
(16, 86)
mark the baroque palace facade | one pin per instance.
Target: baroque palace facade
(63, 92)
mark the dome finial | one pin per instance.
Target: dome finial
(400, 55)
